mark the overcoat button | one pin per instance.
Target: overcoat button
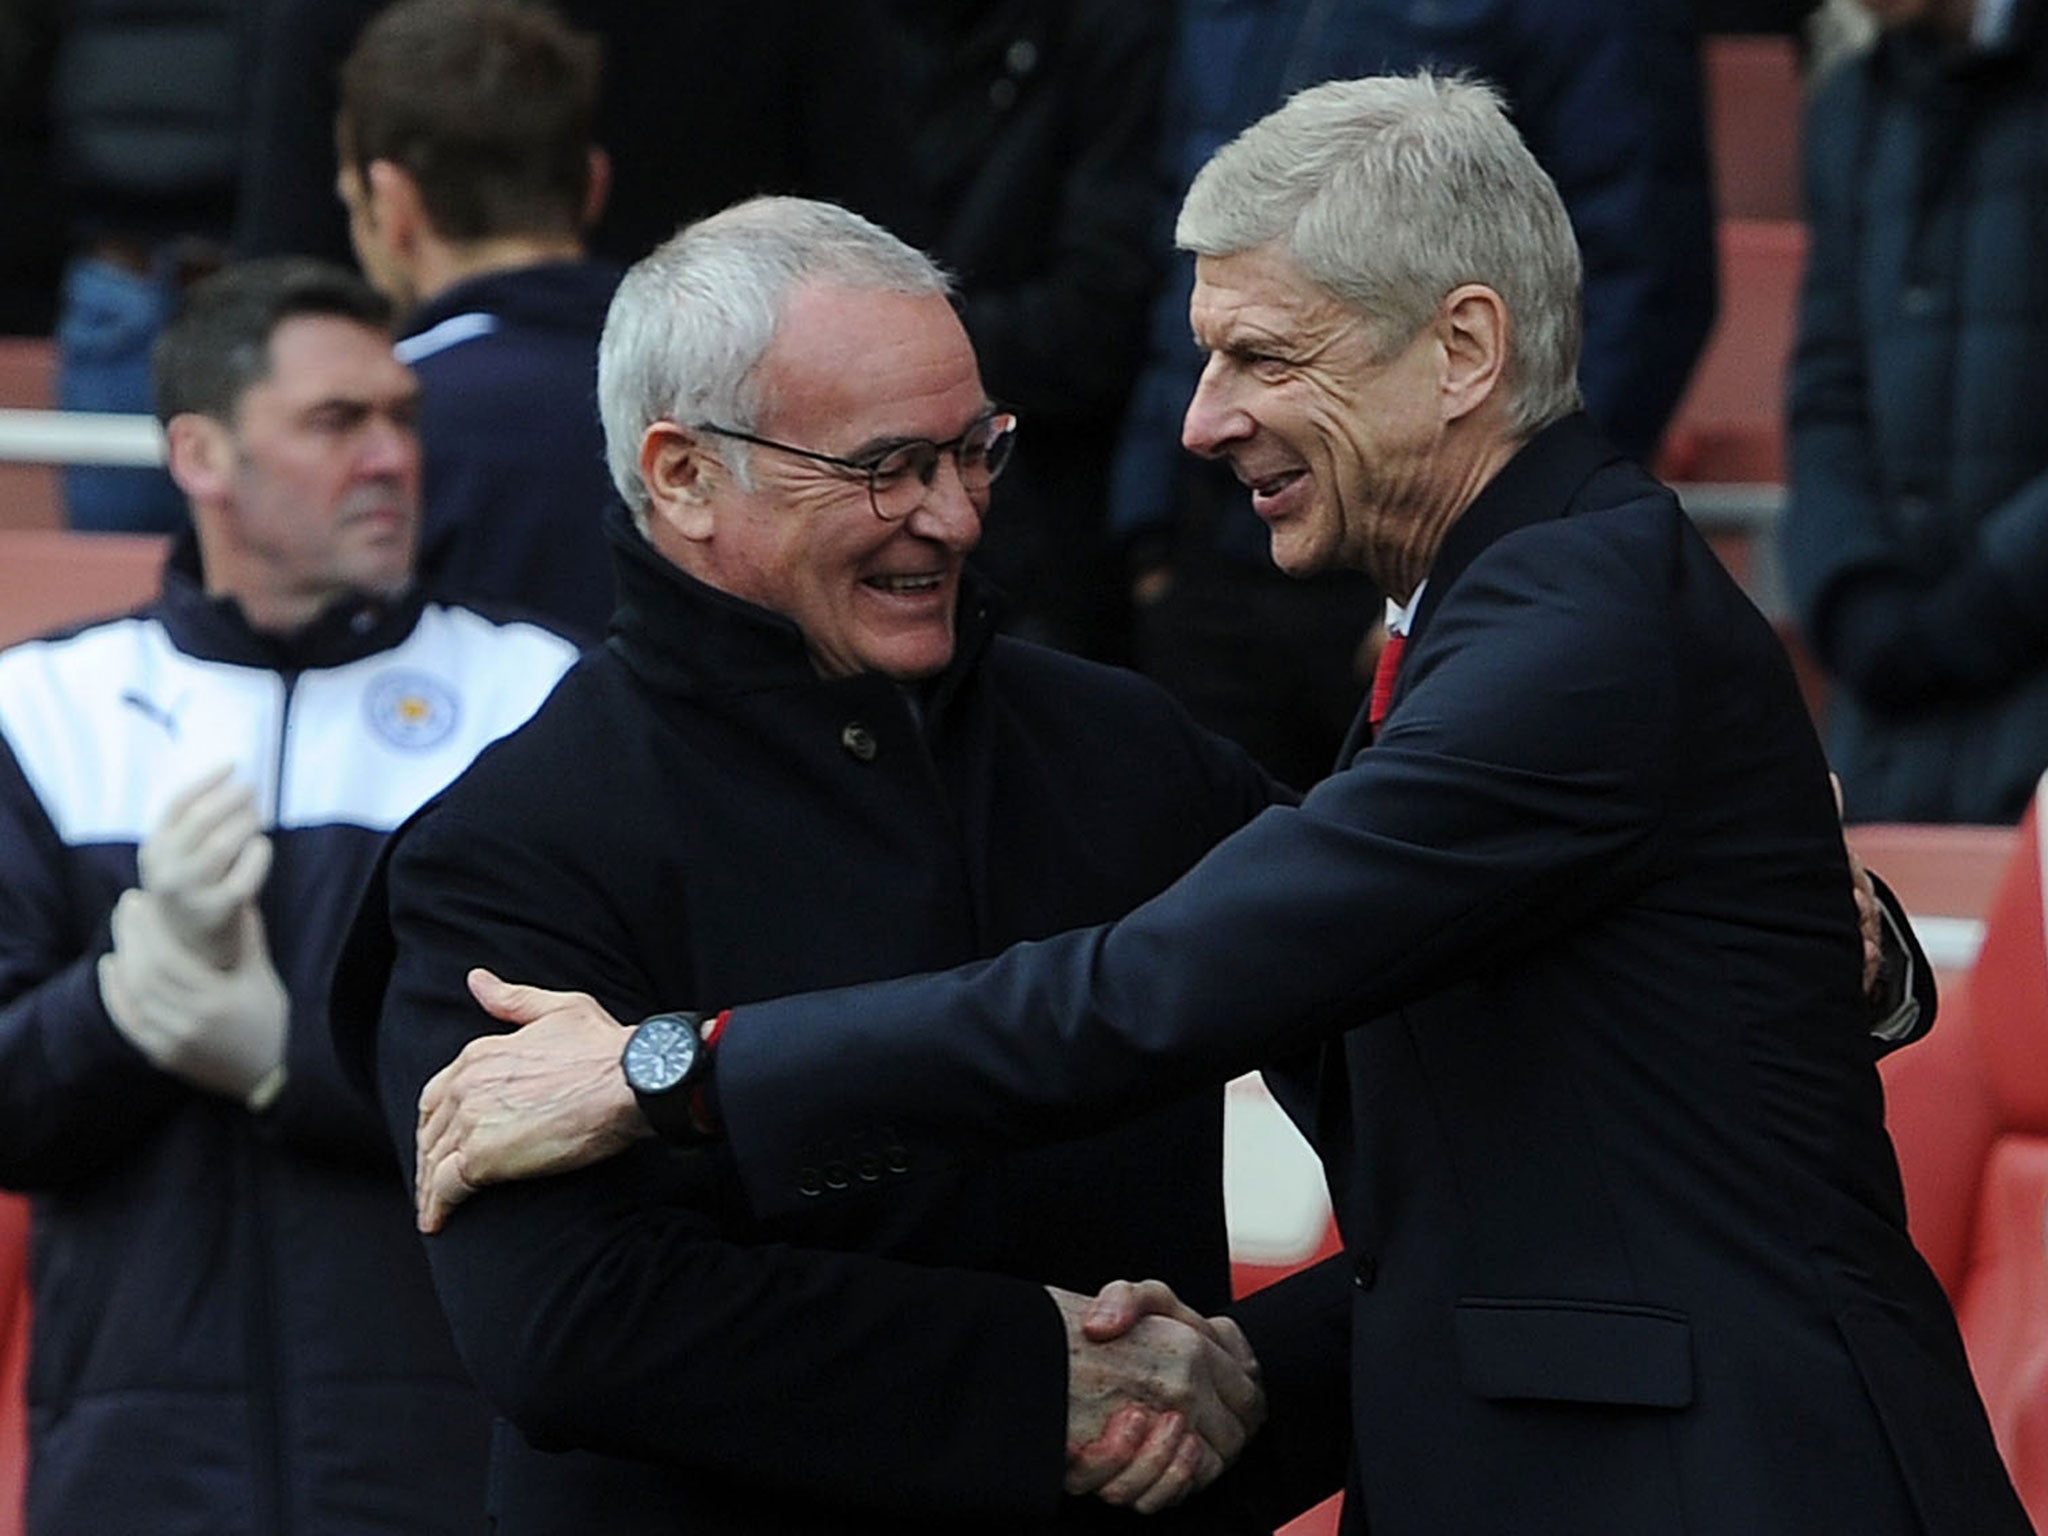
(859, 741)
(808, 1182)
(1364, 1271)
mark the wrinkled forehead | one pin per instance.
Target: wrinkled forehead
(1262, 298)
(858, 353)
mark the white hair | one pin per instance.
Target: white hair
(691, 322)
(1394, 190)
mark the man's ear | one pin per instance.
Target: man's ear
(598, 190)
(680, 477)
(396, 209)
(1474, 327)
(200, 455)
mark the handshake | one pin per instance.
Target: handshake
(1159, 1398)
(189, 980)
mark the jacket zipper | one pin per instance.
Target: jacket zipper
(271, 1501)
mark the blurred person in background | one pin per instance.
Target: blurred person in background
(233, 1328)
(148, 102)
(1036, 137)
(470, 175)
(704, 102)
(1915, 540)
(31, 250)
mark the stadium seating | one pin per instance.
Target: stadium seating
(1753, 93)
(1968, 1111)
(30, 496)
(1729, 425)
(50, 577)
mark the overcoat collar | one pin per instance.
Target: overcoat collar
(1537, 484)
(684, 637)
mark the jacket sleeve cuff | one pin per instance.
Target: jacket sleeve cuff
(86, 1049)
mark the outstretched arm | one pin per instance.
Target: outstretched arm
(1159, 1400)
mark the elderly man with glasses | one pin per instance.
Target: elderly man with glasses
(805, 758)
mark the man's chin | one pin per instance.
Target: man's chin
(386, 579)
(913, 662)
(1299, 557)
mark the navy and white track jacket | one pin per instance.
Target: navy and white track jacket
(233, 1326)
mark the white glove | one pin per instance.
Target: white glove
(222, 1030)
(207, 857)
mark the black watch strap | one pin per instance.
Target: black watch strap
(669, 1114)
(683, 1112)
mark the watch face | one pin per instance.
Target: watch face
(660, 1053)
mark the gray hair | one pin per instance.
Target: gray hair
(692, 321)
(1392, 191)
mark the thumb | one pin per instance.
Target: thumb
(1113, 1312)
(511, 1003)
(250, 869)
(249, 930)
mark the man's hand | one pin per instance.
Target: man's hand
(205, 859)
(1869, 916)
(1159, 1398)
(222, 1030)
(547, 1098)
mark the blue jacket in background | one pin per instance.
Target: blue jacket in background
(1916, 542)
(516, 484)
(1608, 95)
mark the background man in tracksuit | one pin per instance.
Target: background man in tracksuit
(233, 1329)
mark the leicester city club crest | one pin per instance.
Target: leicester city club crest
(411, 710)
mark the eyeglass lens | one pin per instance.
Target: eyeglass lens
(898, 481)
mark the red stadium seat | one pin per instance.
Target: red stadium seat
(30, 494)
(1754, 92)
(1968, 1110)
(1730, 423)
(50, 577)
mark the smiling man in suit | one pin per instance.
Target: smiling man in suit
(1567, 937)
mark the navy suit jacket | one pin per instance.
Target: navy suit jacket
(1625, 1242)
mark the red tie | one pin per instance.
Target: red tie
(1383, 676)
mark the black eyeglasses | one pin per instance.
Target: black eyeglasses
(900, 476)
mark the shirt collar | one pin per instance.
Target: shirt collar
(1400, 615)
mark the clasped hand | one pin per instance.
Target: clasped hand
(189, 980)
(1160, 1400)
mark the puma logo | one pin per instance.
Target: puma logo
(151, 711)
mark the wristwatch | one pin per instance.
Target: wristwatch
(667, 1065)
